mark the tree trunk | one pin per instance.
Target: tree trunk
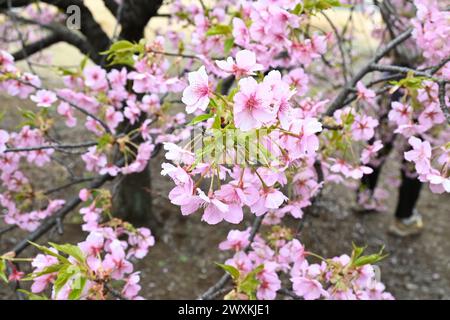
(135, 16)
(134, 200)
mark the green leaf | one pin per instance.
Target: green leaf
(217, 123)
(105, 140)
(298, 9)
(251, 283)
(232, 271)
(71, 250)
(33, 296)
(120, 46)
(49, 252)
(64, 275)
(317, 5)
(3, 270)
(369, 259)
(122, 52)
(229, 42)
(50, 269)
(77, 287)
(200, 118)
(219, 29)
(84, 63)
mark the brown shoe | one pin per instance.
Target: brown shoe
(407, 227)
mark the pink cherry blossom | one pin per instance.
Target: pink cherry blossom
(236, 240)
(197, 94)
(365, 94)
(420, 155)
(115, 262)
(4, 138)
(400, 113)
(95, 78)
(252, 105)
(240, 32)
(363, 127)
(245, 64)
(44, 98)
(66, 111)
(309, 289)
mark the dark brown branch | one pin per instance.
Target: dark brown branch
(64, 34)
(60, 146)
(342, 96)
(442, 100)
(35, 47)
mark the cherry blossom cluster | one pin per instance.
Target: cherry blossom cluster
(283, 256)
(105, 255)
(431, 30)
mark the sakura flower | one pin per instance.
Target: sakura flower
(115, 262)
(197, 94)
(245, 64)
(113, 118)
(363, 127)
(439, 182)
(240, 193)
(309, 289)
(42, 261)
(431, 115)
(44, 98)
(84, 194)
(16, 275)
(94, 160)
(240, 32)
(4, 137)
(240, 261)
(177, 154)
(236, 240)
(95, 78)
(400, 113)
(298, 79)
(66, 111)
(358, 172)
(252, 105)
(420, 155)
(40, 283)
(6, 61)
(93, 244)
(269, 283)
(132, 287)
(365, 94)
(216, 210)
(303, 139)
(371, 150)
(271, 198)
(140, 241)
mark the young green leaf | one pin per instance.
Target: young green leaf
(232, 271)
(200, 118)
(219, 29)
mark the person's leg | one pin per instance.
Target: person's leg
(408, 195)
(408, 220)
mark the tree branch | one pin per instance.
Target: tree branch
(35, 47)
(338, 102)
